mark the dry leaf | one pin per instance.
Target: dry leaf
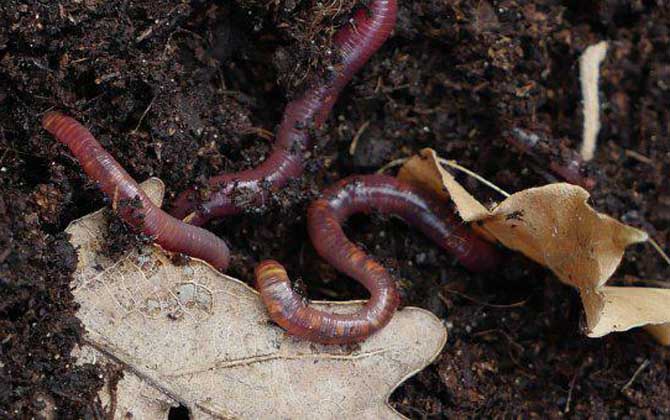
(133, 394)
(192, 335)
(622, 308)
(555, 226)
(425, 171)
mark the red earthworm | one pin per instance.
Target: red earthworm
(170, 233)
(563, 161)
(355, 43)
(364, 194)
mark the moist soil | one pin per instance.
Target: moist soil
(185, 89)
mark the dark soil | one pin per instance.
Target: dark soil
(185, 89)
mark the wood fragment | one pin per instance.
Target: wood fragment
(589, 74)
(639, 370)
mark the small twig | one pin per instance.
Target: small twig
(359, 133)
(4, 254)
(79, 60)
(144, 114)
(490, 305)
(396, 88)
(639, 370)
(391, 164)
(260, 132)
(638, 156)
(144, 35)
(106, 77)
(509, 339)
(47, 110)
(589, 73)
(455, 165)
(572, 387)
(452, 164)
(658, 248)
(149, 32)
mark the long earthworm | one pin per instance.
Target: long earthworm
(355, 43)
(364, 194)
(136, 208)
(356, 194)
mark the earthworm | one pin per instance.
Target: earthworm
(355, 43)
(563, 161)
(136, 208)
(364, 194)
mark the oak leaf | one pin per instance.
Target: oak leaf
(187, 334)
(555, 226)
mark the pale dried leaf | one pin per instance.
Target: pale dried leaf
(204, 339)
(133, 398)
(611, 309)
(425, 171)
(589, 74)
(555, 226)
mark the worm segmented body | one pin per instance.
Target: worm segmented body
(355, 43)
(563, 161)
(364, 194)
(367, 31)
(170, 233)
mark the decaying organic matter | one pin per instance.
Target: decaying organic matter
(190, 335)
(555, 226)
(179, 90)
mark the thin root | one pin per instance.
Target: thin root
(392, 164)
(658, 248)
(455, 165)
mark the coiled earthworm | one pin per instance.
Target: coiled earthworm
(355, 43)
(364, 194)
(135, 207)
(563, 161)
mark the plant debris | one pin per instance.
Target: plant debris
(589, 74)
(187, 102)
(554, 226)
(193, 336)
